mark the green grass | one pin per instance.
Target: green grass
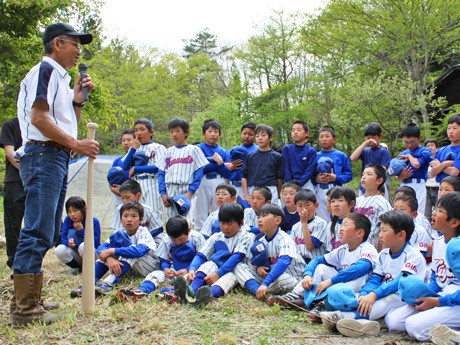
(237, 318)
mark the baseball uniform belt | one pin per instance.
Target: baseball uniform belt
(51, 143)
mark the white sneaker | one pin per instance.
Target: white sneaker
(357, 328)
(443, 335)
(330, 319)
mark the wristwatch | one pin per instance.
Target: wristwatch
(78, 105)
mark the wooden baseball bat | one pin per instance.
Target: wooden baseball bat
(88, 298)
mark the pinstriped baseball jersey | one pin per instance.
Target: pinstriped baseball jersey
(372, 207)
(420, 239)
(238, 243)
(151, 219)
(149, 182)
(282, 244)
(206, 230)
(250, 217)
(409, 260)
(164, 249)
(333, 241)
(180, 164)
(444, 275)
(318, 229)
(342, 257)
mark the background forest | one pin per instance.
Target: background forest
(351, 63)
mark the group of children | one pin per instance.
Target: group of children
(343, 258)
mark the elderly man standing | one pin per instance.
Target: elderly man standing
(48, 111)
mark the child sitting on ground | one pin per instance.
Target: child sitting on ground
(214, 264)
(379, 295)
(351, 263)
(372, 204)
(70, 251)
(259, 197)
(291, 216)
(310, 233)
(175, 252)
(224, 193)
(275, 266)
(444, 309)
(122, 250)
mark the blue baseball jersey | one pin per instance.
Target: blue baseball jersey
(342, 166)
(213, 168)
(442, 154)
(264, 168)
(236, 175)
(299, 163)
(424, 158)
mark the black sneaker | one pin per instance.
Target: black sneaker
(183, 290)
(74, 293)
(290, 300)
(318, 307)
(203, 296)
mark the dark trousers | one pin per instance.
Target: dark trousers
(431, 201)
(13, 205)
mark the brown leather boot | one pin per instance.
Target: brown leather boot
(46, 305)
(27, 288)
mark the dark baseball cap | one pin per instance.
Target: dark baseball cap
(58, 29)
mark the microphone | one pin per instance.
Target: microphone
(82, 68)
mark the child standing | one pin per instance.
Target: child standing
(215, 262)
(299, 157)
(341, 170)
(122, 250)
(181, 171)
(142, 161)
(370, 151)
(116, 175)
(283, 264)
(379, 295)
(264, 167)
(432, 186)
(260, 196)
(240, 153)
(214, 173)
(372, 204)
(224, 193)
(447, 157)
(429, 311)
(175, 252)
(70, 251)
(291, 216)
(418, 159)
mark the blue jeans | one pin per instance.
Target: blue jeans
(43, 170)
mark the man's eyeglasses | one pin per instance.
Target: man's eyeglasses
(75, 44)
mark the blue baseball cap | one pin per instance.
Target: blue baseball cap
(238, 153)
(453, 256)
(340, 296)
(324, 165)
(259, 254)
(411, 287)
(396, 166)
(181, 204)
(120, 239)
(310, 296)
(141, 158)
(116, 175)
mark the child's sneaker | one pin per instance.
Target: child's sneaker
(170, 296)
(203, 296)
(288, 300)
(314, 313)
(358, 328)
(131, 295)
(183, 290)
(330, 319)
(103, 289)
(443, 335)
(76, 292)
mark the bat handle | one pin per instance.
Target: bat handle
(91, 130)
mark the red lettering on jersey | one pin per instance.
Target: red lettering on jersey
(411, 266)
(367, 211)
(366, 255)
(423, 245)
(184, 160)
(443, 271)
